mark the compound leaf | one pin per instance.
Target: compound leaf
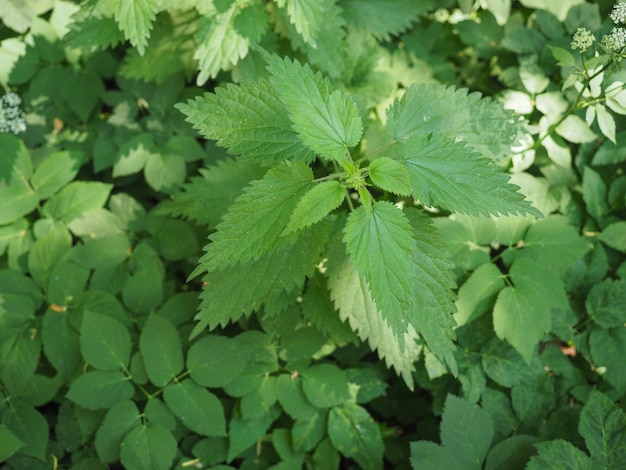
(198, 409)
(161, 350)
(253, 224)
(327, 121)
(149, 446)
(522, 313)
(356, 435)
(249, 120)
(450, 175)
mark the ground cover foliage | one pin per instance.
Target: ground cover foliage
(312, 234)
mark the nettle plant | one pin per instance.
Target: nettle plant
(343, 205)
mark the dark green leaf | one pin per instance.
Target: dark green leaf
(559, 455)
(161, 349)
(9, 443)
(430, 456)
(513, 452)
(197, 408)
(149, 446)
(214, 361)
(118, 422)
(606, 303)
(104, 342)
(27, 425)
(61, 342)
(244, 433)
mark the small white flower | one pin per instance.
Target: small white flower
(583, 39)
(618, 15)
(616, 39)
(11, 116)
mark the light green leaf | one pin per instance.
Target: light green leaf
(327, 121)
(448, 174)
(215, 361)
(554, 242)
(16, 163)
(279, 273)
(100, 389)
(390, 175)
(161, 349)
(135, 18)
(605, 122)
(148, 447)
(325, 385)
(433, 108)
(564, 57)
(198, 409)
(477, 293)
(307, 16)
(466, 431)
(75, 199)
(134, 154)
(381, 246)
(352, 297)
(559, 455)
(165, 172)
(253, 224)
(356, 435)
(10, 443)
(383, 18)
(615, 236)
(58, 169)
(118, 422)
(222, 44)
(104, 342)
(316, 204)
(522, 313)
(575, 130)
(602, 425)
(249, 120)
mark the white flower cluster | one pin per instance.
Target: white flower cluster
(616, 39)
(583, 39)
(11, 116)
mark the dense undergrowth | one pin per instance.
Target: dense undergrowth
(416, 222)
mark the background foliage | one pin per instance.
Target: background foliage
(417, 231)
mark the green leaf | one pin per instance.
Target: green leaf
(383, 18)
(161, 349)
(605, 122)
(477, 293)
(135, 18)
(352, 297)
(61, 342)
(165, 172)
(513, 452)
(198, 409)
(118, 422)
(505, 365)
(16, 201)
(466, 431)
(16, 163)
(554, 242)
(606, 303)
(57, 170)
(522, 313)
(215, 361)
(390, 175)
(292, 399)
(46, 252)
(143, 292)
(327, 121)
(356, 435)
(594, 194)
(381, 245)
(434, 108)
(253, 224)
(244, 433)
(574, 129)
(450, 175)
(149, 447)
(563, 56)
(532, 402)
(316, 204)
(607, 347)
(249, 120)
(615, 236)
(27, 425)
(430, 456)
(325, 385)
(134, 154)
(75, 199)
(308, 16)
(222, 43)
(100, 389)
(279, 273)
(559, 455)
(104, 342)
(10, 443)
(307, 433)
(602, 425)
